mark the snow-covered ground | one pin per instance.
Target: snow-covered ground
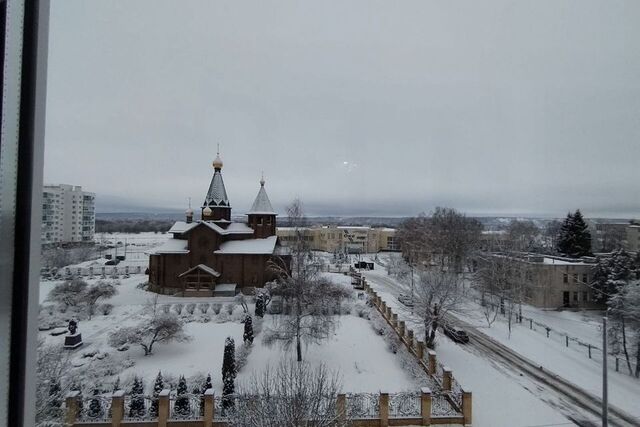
(360, 357)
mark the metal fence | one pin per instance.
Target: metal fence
(140, 408)
(441, 407)
(363, 405)
(405, 405)
(95, 409)
(186, 407)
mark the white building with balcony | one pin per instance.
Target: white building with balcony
(68, 214)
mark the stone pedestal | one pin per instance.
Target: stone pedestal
(73, 341)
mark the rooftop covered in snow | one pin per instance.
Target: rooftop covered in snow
(249, 246)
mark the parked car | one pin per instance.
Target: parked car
(406, 300)
(457, 335)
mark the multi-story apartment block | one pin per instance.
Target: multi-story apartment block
(350, 239)
(68, 214)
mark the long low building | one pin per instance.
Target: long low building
(554, 282)
(348, 239)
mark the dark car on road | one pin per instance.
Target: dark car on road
(457, 335)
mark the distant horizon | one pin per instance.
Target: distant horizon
(177, 212)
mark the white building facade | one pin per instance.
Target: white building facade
(68, 214)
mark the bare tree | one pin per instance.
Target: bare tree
(100, 291)
(502, 280)
(551, 233)
(158, 327)
(70, 293)
(447, 237)
(522, 235)
(308, 298)
(294, 394)
(437, 293)
(52, 365)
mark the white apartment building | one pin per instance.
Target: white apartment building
(68, 214)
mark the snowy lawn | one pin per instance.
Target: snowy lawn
(355, 352)
(360, 357)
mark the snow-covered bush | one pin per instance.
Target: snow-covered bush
(166, 308)
(216, 308)
(229, 308)
(178, 308)
(203, 307)
(190, 308)
(106, 309)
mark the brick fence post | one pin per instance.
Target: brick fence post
(384, 409)
(467, 407)
(425, 406)
(163, 408)
(432, 362)
(208, 407)
(72, 407)
(447, 375)
(420, 349)
(389, 313)
(341, 407)
(117, 408)
(401, 328)
(394, 320)
(410, 338)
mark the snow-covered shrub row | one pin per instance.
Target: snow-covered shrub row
(202, 312)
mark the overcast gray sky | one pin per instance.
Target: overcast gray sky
(357, 107)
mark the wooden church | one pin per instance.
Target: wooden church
(215, 256)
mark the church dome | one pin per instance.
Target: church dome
(189, 212)
(207, 211)
(217, 162)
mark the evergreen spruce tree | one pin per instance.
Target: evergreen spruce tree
(248, 330)
(259, 311)
(574, 238)
(182, 400)
(158, 386)
(95, 407)
(136, 407)
(228, 372)
(207, 384)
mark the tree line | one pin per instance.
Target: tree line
(133, 225)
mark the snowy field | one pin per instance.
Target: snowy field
(360, 357)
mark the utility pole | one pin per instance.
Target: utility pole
(605, 405)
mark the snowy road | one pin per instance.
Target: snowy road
(577, 404)
(570, 395)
